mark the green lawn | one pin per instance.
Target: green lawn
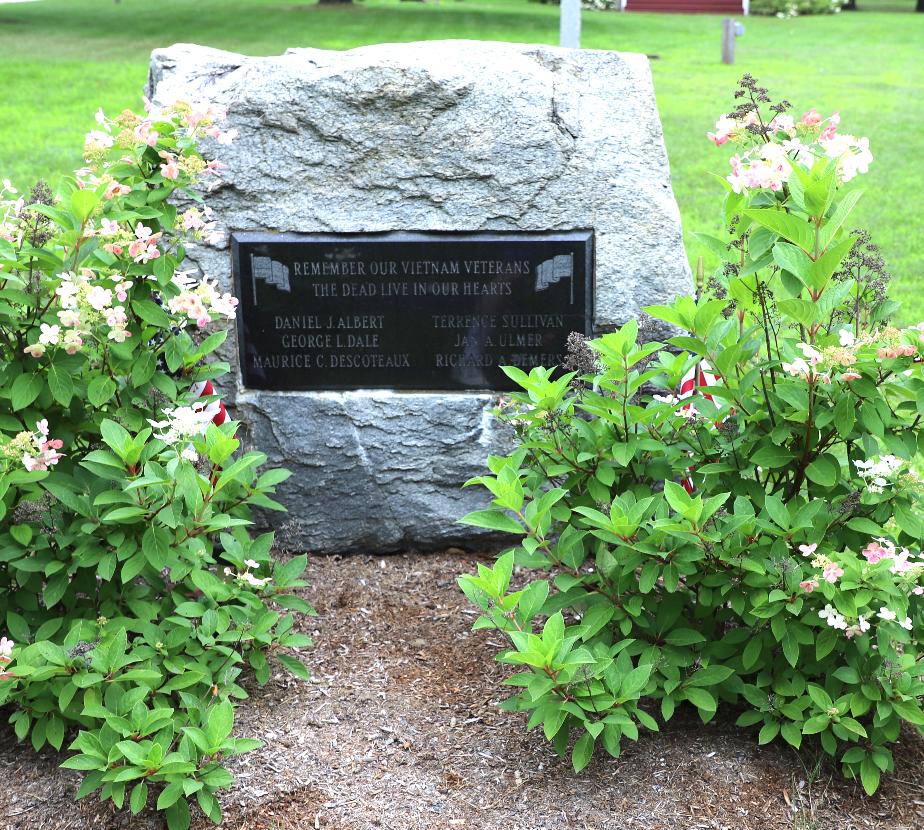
(61, 59)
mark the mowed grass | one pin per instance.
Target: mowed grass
(61, 59)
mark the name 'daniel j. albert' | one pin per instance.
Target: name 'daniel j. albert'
(309, 322)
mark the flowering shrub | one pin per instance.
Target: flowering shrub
(793, 8)
(131, 594)
(751, 544)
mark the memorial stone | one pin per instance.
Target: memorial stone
(397, 220)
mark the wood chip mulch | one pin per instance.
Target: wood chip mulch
(400, 730)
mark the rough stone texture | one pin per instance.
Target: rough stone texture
(449, 135)
(375, 470)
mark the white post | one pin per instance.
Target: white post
(571, 23)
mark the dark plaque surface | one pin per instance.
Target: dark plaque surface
(409, 311)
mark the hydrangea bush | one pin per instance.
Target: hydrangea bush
(751, 544)
(794, 8)
(132, 595)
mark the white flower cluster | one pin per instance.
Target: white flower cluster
(10, 210)
(84, 305)
(838, 621)
(182, 423)
(878, 473)
(245, 577)
(804, 366)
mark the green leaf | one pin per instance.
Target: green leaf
(825, 266)
(793, 259)
(816, 724)
(535, 595)
(61, 384)
(710, 676)
(493, 520)
(752, 652)
(790, 650)
(24, 390)
(633, 683)
(678, 498)
(844, 416)
(178, 815)
(819, 696)
(139, 798)
(701, 699)
(83, 763)
(295, 667)
(869, 776)
(99, 391)
(21, 533)
(583, 751)
(838, 217)
(825, 642)
(909, 711)
(792, 734)
(83, 203)
(784, 224)
(220, 722)
(771, 455)
(116, 437)
(778, 511)
(648, 576)
(768, 732)
(155, 545)
(684, 637)
(802, 311)
(152, 313)
(848, 674)
(17, 627)
(54, 732)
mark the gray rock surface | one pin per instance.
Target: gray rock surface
(442, 135)
(376, 470)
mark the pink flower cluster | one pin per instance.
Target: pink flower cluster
(202, 120)
(199, 223)
(766, 163)
(831, 572)
(880, 549)
(140, 242)
(45, 450)
(169, 169)
(131, 134)
(901, 350)
(199, 302)
(144, 247)
(818, 364)
(903, 564)
(767, 167)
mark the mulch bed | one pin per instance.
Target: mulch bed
(399, 730)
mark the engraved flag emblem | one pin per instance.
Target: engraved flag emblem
(555, 270)
(271, 272)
